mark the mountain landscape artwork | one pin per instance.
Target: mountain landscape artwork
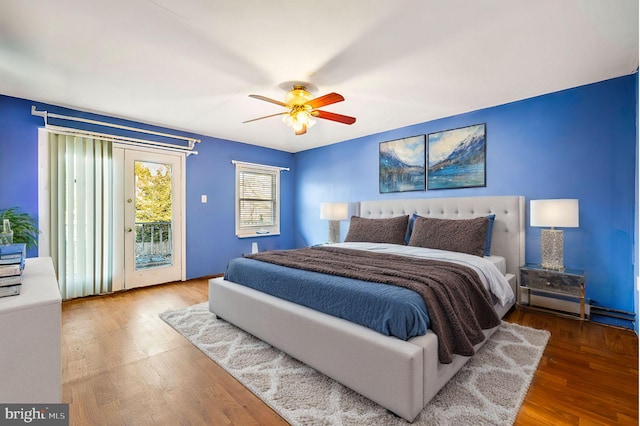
(403, 165)
(457, 158)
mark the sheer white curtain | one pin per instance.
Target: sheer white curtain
(81, 206)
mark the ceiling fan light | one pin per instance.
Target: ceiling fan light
(298, 119)
(297, 96)
(310, 120)
(294, 121)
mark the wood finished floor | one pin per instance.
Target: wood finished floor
(122, 365)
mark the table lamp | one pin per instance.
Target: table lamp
(334, 213)
(562, 213)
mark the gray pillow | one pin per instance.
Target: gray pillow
(392, 230)
(461, 235)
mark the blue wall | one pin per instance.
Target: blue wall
(578, 143)
(18, 157)
(211, 239)
(637, 215)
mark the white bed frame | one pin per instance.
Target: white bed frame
(402, 376)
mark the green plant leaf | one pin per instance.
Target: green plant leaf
(24, 227)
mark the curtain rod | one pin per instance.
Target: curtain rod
(45, 115)
(264, 166)
(121, 139)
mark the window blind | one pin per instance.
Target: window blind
(257, 199)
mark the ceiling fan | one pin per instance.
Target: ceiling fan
(303, 109)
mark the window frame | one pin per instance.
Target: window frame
(246, 231)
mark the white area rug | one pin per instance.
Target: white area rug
(488, 390)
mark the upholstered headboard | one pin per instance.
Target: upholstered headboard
(508, 228)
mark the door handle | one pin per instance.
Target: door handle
(129, 230)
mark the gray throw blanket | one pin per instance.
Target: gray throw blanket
(459, 306)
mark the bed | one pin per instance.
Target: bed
(401, 375)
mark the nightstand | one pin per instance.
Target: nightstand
(565, 284)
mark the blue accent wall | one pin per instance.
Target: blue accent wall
(211, 240)
(637, 215)
(18, 157)
(578, 143)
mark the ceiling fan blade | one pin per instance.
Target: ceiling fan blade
(345, 119)
(328, 99)
(266, 116)
(302, 131)
(264, 98)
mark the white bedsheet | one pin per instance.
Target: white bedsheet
(489, 274)
(500, 262)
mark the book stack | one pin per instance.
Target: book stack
(12, 258)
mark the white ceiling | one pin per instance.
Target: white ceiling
(191, 64)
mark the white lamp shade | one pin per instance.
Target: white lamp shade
(562, 213)
(334, 211)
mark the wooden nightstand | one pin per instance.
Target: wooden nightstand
(565, 284)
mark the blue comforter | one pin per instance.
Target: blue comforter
(390, 310)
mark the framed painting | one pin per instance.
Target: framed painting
(457, 158)
(402, 165)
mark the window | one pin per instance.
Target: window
(257, 200)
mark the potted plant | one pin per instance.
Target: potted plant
(24, 227)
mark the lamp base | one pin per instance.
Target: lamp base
(334, 231)
(552, 249)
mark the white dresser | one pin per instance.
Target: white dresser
(30, 333)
